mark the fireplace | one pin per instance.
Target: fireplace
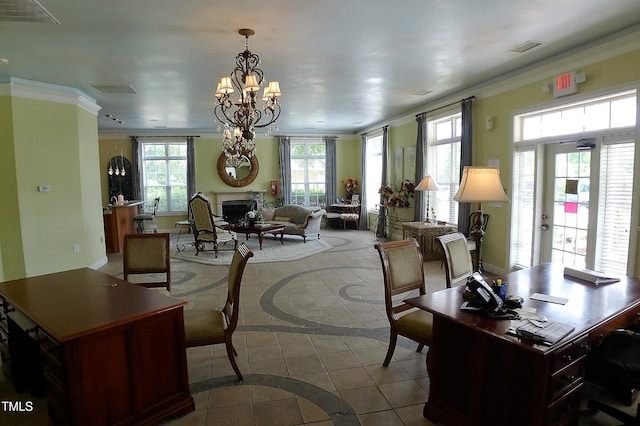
(234, 210)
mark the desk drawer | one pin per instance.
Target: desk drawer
(569, 354)
(566, 410)
(565, 379)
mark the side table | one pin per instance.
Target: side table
(426, 234)
(180, 225)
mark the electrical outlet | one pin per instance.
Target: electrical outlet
(76, 248)
(44, 188)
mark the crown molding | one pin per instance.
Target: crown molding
(35, 90)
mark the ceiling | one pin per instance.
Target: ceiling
(343, 65)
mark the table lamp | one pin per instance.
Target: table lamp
(480, 184)
(427, 184)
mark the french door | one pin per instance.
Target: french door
(583, 216)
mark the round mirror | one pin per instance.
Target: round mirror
(239, 175)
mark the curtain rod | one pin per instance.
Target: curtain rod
(164, 136)
(470, 98)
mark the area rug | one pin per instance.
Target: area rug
(272, 250)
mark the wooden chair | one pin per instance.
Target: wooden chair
(147, 254)
(403, 272)
(457, 258)
(209, 326)
(140, 219)
(204, 228)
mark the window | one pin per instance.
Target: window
(373, 170)
(444, 152)
(164, 174)
(308, 172)
(608, 112)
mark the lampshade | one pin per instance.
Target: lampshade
(479, 184)
(427, 184)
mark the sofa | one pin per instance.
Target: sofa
(297, 220)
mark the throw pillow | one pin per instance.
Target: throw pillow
(268, 214)
(282, 219)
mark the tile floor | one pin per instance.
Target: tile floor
(311, 340)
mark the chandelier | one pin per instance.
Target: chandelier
(241, 116)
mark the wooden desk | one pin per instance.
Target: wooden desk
(425, 234)
(118, 221)
(481, 376)
(113, 352)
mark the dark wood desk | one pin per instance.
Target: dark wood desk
(113, 352)
(479, 375)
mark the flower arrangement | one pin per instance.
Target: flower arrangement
(251, 217)
(406, 190)
(350, 185)
(387, 193)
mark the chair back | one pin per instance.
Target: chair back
(232, 306)
(457, 258)
(146, 254)
(200, 207)
(156, 204)
(403, 271)
(473, 218)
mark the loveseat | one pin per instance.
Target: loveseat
(297, 220)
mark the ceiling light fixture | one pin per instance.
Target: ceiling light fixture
(241, 117)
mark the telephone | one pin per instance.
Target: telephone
(487, 301)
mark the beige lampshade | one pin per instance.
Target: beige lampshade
(225, 85)
(274, 88)
(479, 184)
(251, 84)
(427, 184)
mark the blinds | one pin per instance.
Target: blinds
(523, 197)
(614, 205)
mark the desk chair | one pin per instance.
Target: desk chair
(147, 255)
(140, 219)
(457, 258)
(615, 364)
(203, 327)
(403, 272)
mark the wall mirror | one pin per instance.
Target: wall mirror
(240, 175)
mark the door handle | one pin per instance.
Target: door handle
(545, 227)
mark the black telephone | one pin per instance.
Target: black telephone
(487, 301)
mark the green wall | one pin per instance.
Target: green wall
(55, 144)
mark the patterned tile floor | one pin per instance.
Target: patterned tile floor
(311, 341)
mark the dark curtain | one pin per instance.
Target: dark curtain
(364, 208)
(421, 167)
(330, 169)
(136, 177)
(191, 167)
(464, 209)
(284, 151)
(381, 231)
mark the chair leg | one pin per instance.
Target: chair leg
(392, 347)
(232, 359)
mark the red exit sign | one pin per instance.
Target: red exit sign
(566, 84)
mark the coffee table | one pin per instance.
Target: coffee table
(260, 229)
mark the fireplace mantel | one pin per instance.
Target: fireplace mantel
(237, 195)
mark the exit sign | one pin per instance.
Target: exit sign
(567, 84)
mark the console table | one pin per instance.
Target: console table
(118, 221)
(113, 352)
(425, 233)
(479, 375)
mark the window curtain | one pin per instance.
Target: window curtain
(191, 167)
(330, 169)
(421, 162)
(364, 209)
(136, 177)
(464, 209)
(284, 151)
(381, 230)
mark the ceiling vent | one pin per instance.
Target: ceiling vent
(25, 11)
(525, 47)
(106, 88)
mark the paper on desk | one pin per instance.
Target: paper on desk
(547, 298)
(546, 332)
